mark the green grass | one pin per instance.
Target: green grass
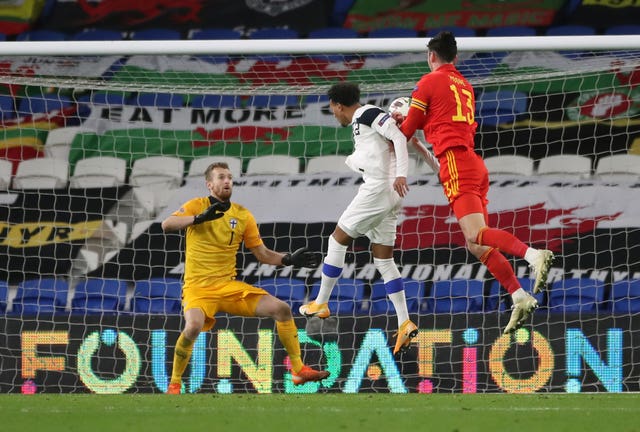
(322, 412)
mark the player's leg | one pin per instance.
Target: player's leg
(269, 306)
(496, 263)
(194, 322)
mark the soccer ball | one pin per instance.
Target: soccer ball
(400, 105)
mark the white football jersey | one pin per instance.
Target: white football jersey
(380, 148)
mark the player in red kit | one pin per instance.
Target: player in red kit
(442, 104)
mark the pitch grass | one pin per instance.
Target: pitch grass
(321, 412)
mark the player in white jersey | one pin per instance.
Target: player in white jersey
(380, 156)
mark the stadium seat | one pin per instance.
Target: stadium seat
(97, 35)
(509, 164)
(58, 143)
(393, 32)
(95, 295)
(625, 297)
(502, 106)
(41, 35)
(99, 172)
(214, 34)
(4, 296)
(31, 105)
(46, 295)
(7, 108)
(414, 294)
(507, 31)
(42, 173)
(198, 166)
(6, 169)
(157, 171)
(264, 101)
(574, 166)
(627, 29)
(456, 296)
(347, 297)
(215, 101)
(570, 30)
(157, 296)
(273, 164)
(327, 164)
(160, 100)
(155, 34)
(576, 295)
(291, 291)
(619, 167)
(457, 31)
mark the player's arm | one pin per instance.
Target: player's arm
(176, 223)
(426, 154)
(300, 258)
(389, 129)
(186, 216)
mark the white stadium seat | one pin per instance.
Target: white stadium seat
(621, 166)
(6, 169)
(58, 143)
(273, 164)
(509, 164)
(157, 172)
(42, 173)
(99, 171)
(327, 164)
(575, 166)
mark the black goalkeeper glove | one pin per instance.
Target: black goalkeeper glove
(301, 258)
(213, 212)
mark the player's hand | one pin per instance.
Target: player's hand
(400, 186)
(213, 212)
(398, 117)
(301, 258)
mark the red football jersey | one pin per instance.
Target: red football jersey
(443, 105)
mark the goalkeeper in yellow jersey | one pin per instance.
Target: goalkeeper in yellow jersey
(215, 228)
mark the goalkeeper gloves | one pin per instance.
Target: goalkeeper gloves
(301, 258)
(214, 211)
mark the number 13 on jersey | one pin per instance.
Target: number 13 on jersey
(464, 109)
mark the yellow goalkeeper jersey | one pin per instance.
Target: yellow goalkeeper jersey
(212, 246)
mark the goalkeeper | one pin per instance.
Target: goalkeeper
(215, 227)
(442, 104)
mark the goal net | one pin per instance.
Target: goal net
(101, 141)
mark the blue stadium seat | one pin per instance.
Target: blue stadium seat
(155, 34)
(625, 297)
(414, 293)
(41, 35)
(511, 31)
(291, 291)
(347, 297)
(456, 296)
(628, 29)
(215, 34)
(97, 35)
(273, 100)
(215, 101)
(161, 100)
(95, 295)
(43, 104)
(576, 295)
(393, 32)
(502, 106)
(157, 296)
(457, 31)
(4, 293)
(46, 295)
(570, 30)
(7, 110)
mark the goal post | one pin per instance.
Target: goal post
(88, 298)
